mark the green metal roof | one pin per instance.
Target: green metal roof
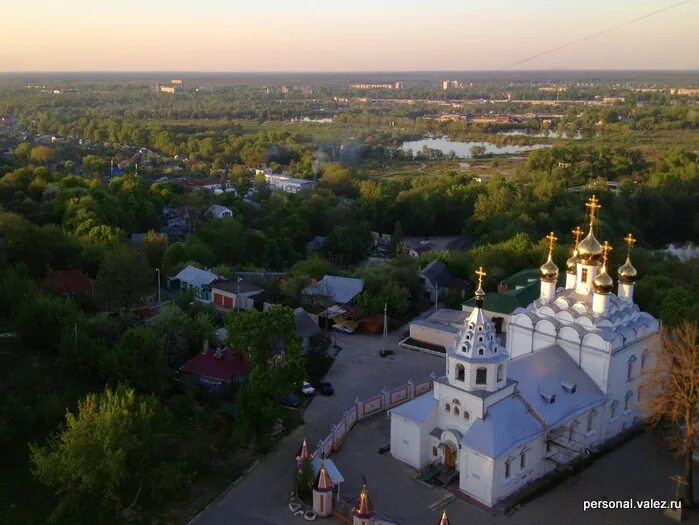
(522, 289)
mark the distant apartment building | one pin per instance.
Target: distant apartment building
(383, 85)
(167, 89)
(685, 92)
(452, 84)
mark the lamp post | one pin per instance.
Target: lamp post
(237, 297)
(158, 270)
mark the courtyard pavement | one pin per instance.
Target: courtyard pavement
(358, 371)
(640, 469)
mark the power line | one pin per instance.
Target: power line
(593, 35)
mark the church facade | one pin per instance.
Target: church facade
(567, 379)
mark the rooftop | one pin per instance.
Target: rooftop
(507, 424)
(196, 277)
(552, 372)
(218, 364)
(340, 289)
(418, 409)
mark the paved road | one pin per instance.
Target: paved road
(358, 371)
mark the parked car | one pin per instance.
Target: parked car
(325, 388)
(307, 389)
(290, 400)
(343, 329)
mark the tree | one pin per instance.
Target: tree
(138, 360)
(154, 246)
(107, 453)
(304, 481)
(42, 318)
(671, 393)
(41, 154)
(124, 275)
(182, 336)
(277, 360)
(477, 151)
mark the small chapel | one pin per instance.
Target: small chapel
(566, 378)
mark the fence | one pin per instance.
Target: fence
(381, 402)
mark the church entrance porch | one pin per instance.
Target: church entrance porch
(449, 455)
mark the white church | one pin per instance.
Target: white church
(567, 380)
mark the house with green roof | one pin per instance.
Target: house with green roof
(516, 291)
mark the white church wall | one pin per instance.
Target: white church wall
(405, 441)
(476, 475)
(519, 475)
(519, 340)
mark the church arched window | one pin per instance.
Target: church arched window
(435, 453)
(613, 409)
(627, 400)
(467, 416)
(508, 467)
(457, 411)
(480, 338)
(501, 372)
(523, 458)
(481, 351)
(639, 395)
(629, 367)
(460, 372)
(480, 328)
(644, 360)
(481, 376)
(447, 408)
(468, 337)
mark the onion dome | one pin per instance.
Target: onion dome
(572, 263)
(323, 483)
(445, 519)
(589, 249)
(549, 270)
(627, 273)
(364, 507)
(603, 284)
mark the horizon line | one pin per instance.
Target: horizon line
(335, 71)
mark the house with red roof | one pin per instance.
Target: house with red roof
(67, 282)
(214, 368)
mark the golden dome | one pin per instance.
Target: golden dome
(627, 273)
(572, 263)
(589, 249)
(549, 271)
(603, 284)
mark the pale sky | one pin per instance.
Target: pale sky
(328, 35)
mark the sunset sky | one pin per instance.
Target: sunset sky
(315, 35)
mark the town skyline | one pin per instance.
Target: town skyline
(213, 36)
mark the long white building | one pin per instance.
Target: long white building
(568, 379)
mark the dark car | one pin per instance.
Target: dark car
(290, 400)
(325, 388)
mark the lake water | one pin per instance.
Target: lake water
(547, 133)
(463, 149)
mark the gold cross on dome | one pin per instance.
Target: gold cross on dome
(630, 240)
(606, 248)
(551, 238)
(577, 233)
(593, 205)
(480, 273)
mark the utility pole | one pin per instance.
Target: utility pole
(385, 326)
(436, 296)
(237, 296)
(158, 270)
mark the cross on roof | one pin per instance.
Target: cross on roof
(630, 241)
(551, 238)
(606, 248)
(593, 205)
(480, 273)
(577, 233)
